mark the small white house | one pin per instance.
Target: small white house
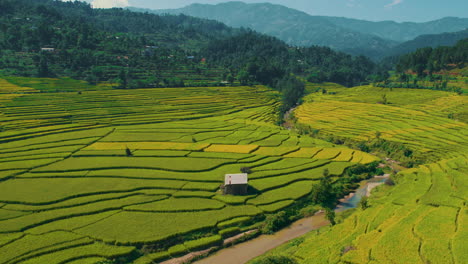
(236, 184)
(48, 49)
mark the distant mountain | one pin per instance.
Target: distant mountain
(357, 37)
(401, 31)
(444, 39)
(290, 25)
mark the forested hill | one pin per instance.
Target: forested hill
(433, 41)
(290, 25)
(402, 32)
(358, 37)
(48, 38)
(29, 24)
(435, 59)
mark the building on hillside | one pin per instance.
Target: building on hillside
(48, 49)
(236, 184)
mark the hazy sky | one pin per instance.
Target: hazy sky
(375, 10)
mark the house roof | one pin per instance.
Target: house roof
(231, 179)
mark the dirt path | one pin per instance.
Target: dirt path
(246, 251)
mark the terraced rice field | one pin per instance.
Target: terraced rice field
(423, 218)
(69, 192)
(415, 118)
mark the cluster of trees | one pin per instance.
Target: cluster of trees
(255, 58)
(96, 45)
(429, 60)
(146, 50)
(264, 59)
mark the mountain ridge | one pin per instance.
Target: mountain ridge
(354, 36)
(278, 21)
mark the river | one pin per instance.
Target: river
(251, 249)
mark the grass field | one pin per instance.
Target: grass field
(104, 173)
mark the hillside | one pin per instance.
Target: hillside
(42, 39)
(401, 32)
(358, 37)
(433, 41)
(292, 26)
(120, 133)
(420, 216)
(427, 60)
(135, 174)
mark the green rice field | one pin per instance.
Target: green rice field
(423, 217)
(415, 118)
(101, 174)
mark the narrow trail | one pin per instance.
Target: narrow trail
(246, 251)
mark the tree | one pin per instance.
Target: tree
(123, 79)
(243, 77)
(364, 204)
(326, 173)
(43, 69)
(384, 99)
(128, 152)
(330, 216)
(230, 79)
(323, 193)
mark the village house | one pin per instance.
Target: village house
(236, 184)
(48, 49)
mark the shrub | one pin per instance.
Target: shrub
(364, 203)
(275, 222)
(389, 182)
(246, 170)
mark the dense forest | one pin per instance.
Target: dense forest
(47, 38)
(429, 60)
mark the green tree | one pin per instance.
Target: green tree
(364, 203)
(243, 77)
(230, 79)
(384, 99)
(330, 216)
(128, 152)
(123, 79)
(323, 193)
(43, 69)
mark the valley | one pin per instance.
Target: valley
(129, 135)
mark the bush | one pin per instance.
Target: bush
(246, 170)
(389, 182)
(275, 222)
(364, 203)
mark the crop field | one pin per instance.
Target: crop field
(420, 219)
(419, 120)
(99, 174)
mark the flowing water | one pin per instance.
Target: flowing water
(246, 251)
